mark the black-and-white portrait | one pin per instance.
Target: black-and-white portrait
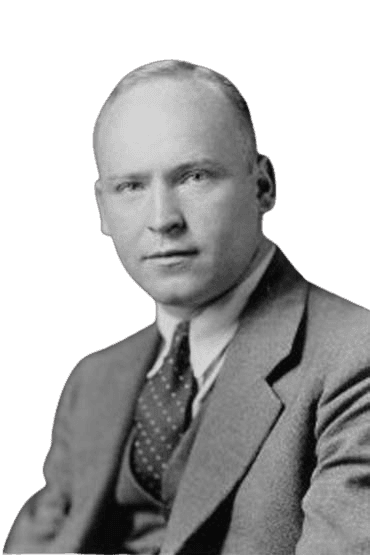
(238, 421)
(185, 281)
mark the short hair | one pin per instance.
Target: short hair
(178, 68)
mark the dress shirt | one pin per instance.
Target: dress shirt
(211, 331)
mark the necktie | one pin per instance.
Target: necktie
(163, 413)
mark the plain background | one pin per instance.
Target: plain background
(304, 70)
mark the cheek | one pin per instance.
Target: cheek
(125, 233)
(122, 221)
(225, 222)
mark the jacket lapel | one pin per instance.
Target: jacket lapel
(113, 399)
(243, 408)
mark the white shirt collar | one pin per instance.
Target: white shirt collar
(213, 328)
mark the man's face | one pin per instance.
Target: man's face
(175, 191)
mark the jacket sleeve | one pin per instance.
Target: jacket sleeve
(44, 515)
(337, 504)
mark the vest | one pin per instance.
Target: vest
(144, 521)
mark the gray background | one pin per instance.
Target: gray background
(303, 68)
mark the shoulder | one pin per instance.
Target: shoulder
(109, 363)
(130, 346)
(337, 345)
(337, 321)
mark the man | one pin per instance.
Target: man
(240, 422)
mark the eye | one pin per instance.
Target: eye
(196, 176)
(129, 186)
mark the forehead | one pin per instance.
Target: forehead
(167, 119)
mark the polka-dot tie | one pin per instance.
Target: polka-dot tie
(163, 413)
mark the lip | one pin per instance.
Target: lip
(172, 253)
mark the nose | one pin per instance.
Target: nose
(165, 214)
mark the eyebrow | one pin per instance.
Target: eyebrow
(127, 176)
(198, 164)
(174, 172)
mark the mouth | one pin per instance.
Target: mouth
(171, 254)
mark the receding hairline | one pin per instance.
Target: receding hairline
(177, 69)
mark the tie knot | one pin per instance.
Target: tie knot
(181, 331)
(180, 339)
(178, 356)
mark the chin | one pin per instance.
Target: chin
(179, 296)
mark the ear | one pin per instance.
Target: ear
(266, 186)
(100, 202)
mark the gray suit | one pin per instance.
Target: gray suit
(281, 460)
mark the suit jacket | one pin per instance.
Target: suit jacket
(281, 461)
